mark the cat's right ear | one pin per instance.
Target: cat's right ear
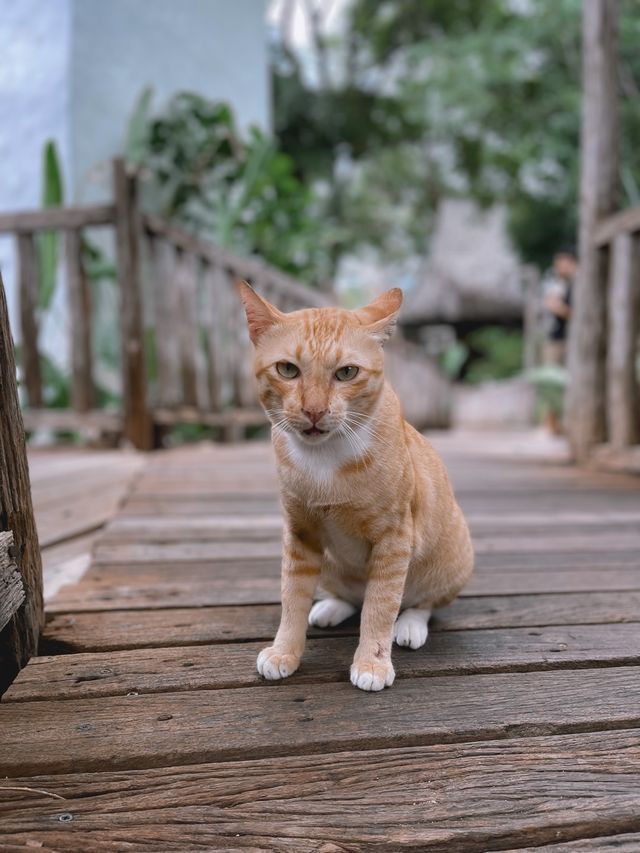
(260, 313)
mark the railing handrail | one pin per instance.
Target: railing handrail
(57, 218)
(624, 221)
(236, 265)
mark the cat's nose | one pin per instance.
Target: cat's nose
(314, 415)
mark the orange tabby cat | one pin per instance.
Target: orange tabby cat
(369, 513)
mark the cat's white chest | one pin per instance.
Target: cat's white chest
(346, 550)
(320, 465)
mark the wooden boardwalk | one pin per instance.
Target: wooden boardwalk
(144, 726)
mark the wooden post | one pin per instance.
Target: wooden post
(28, 273)
(165, 307)
(79, 299)
(624, 322)
(19, 637)
(598, 188)
(187, 326)
(138, 425)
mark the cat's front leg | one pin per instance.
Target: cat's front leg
(300, 573)
(387, 571)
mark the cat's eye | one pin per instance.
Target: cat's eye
(346, 373)
(287, 369)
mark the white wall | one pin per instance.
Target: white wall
(215, 47)
(34, 105)
(72, 70)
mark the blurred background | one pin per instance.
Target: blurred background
(341, 147)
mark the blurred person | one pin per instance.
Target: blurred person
(557, 306)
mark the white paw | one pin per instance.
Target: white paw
(330, 612)
(372, 675)
(273, 665)
(412, 628)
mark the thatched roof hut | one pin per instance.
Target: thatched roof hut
(472, 276)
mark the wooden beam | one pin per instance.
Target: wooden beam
(138, 427)
(29, 331)
(625, 220)
(11, 586)
(624, 323)
(56, 219)
(598, 192)
(232, 417)
(68, 419)
(19, 638)
(79, 299)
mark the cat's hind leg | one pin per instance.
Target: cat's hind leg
(412, 627)
(329, 612)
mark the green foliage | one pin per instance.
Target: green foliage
(495, 352)
(479, 99)
(136, 136)
(453, 359)
(47, 243)
(550, 382)
(240, 190)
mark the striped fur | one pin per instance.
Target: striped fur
(371, 521)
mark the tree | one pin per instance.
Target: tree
(441, 97)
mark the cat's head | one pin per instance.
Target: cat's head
(319, 371)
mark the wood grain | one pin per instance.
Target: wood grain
(282, 719)
(177, 583)
(468, 797)
(19, 638)
(11, 587)
(111, 630)
(325, 660)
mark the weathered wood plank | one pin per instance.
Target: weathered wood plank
(67, 419)
(56, 219)
(604, 548)
(135, 732)
(623, 311)
(462, 799)
(626, 843)
(213, 527)
(200, 584)
(12, 592)
(325, 660)
(79, 299)
(29, 320)
(137, 419)
(126, 629)
(19, 638)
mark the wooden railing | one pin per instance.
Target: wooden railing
(178, 314)
(618, 237)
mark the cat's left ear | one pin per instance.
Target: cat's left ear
(260, 313)
(381, 315)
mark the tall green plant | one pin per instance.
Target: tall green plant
(47, 245)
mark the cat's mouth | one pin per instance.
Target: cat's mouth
(314, 430)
